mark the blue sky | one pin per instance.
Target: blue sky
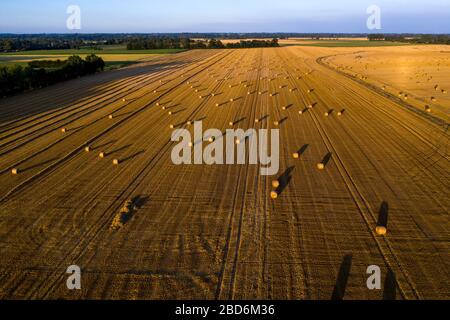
(28, 16)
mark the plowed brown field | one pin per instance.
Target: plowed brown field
(213, 232)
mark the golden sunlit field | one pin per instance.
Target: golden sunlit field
(417, 74)
(354, 156)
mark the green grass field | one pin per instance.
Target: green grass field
(90, 51)
(114, 56)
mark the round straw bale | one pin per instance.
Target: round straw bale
(295, 155)
(15, 171)
(275, 183)
(381, 230)
(274, 195)
(102, 154)
(320, 166)
(116, 162)
(87, 149)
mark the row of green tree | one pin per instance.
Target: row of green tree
(419, 39)
(158, 43)
(39, 74)
(253, 44)
(185, 43)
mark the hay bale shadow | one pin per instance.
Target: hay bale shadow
(327, 158)
(104, 145)
(283, 120)
(134, 155)
(178, 111)
(119, 149)
(239, 120)
(342, 278)
(390, 286)
(284, 180)
(39, 165)
(383, 214)
(127, 211)
(303, 149)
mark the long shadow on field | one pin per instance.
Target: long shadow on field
(39, 164)
(119, 149)
(129, 210)
(383, 215)
(342, 278)
(178, 111)
(82, 91)
(140, 201)
(283, 120)
(134, 155)
(122, 114)
(303, 149)
(284, 180)
(104, 144)
(327, 159)
(390, 286)
(239, 120)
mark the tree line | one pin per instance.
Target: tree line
(186, 43)
(39, 74)
(419, 39)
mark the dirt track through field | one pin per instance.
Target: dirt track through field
(213, 232)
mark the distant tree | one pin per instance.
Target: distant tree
(94, 64)
(16, 79)
(376, 37)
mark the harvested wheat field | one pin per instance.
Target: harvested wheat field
(87, 179)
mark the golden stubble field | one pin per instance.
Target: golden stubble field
(416, 74)
(213, 232)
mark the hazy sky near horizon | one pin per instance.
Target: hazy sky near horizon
(339, 16)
